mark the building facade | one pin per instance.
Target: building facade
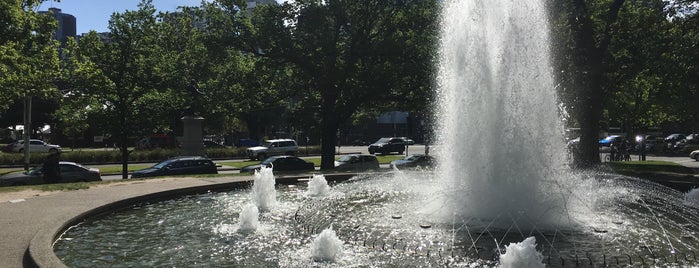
(66, 24)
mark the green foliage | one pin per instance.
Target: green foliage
(628, 64)
(28, 53)
(344, 56)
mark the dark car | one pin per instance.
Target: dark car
(650, 142)
(357, 162)
(673, 138)
(281, 163)
(414, 161)
(70, 172)
(387, 146)
(607, 142)
(183, 165)
(407, 141)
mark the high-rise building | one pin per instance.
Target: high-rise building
(66, 24)
(253, 4)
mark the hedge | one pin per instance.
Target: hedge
(114, 156)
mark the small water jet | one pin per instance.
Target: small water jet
(692, 198)
(263, 192)
(318, 186)
(523, 254)
(248, 219)
(327, 247)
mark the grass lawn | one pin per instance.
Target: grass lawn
(649, 166)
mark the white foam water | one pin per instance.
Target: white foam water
(327, 247)
(498, 105)
(248, 219)
(522, 255)
(263, 192)
(318, 186)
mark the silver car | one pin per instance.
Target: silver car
(357, 162)
(35, 146)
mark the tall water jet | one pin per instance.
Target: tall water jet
(498, 104)
(263, 192)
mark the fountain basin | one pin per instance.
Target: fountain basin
(34, 224)
(362, 212)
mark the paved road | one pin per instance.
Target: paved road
(419, 149)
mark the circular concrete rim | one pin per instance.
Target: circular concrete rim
(41, 254)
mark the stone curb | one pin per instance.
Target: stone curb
(40, 253)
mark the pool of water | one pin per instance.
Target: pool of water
(383, 220)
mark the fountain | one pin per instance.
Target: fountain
(326, 247)
(248, 219)
(522, 254)
(506, 198)
(318, 186)
(263, 192)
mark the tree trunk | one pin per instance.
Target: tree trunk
(124, 149)
(590, 59)
(329, 126)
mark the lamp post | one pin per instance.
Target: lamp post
(27, 129)
(641, 139)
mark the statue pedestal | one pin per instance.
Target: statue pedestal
(192, 138)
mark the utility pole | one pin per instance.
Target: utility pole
(27, 129)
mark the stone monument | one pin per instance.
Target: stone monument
(192, 138)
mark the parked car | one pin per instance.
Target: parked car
(35, 146)
(686, 145)
(212, 144)
(183, 165)
(672, 138)
(247, 143)
(414, 161)
(70, 172)
(407, 141)
(357, 162)
(281, 163)
(694, 155)
(387, 145)
(273, 147)
(651, 143)
(607, 142)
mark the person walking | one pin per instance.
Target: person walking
(52, 170)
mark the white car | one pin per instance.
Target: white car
(273, 147)
(35, 146)
(694, 155)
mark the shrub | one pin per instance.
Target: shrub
(114, 156)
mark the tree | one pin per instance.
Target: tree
(127, 64)
(589, 27)
(28, 52)
(346, 56)
(621, 62)
(80, 78)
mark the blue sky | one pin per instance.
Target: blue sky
(94, 14)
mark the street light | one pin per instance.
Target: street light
(640, 139)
